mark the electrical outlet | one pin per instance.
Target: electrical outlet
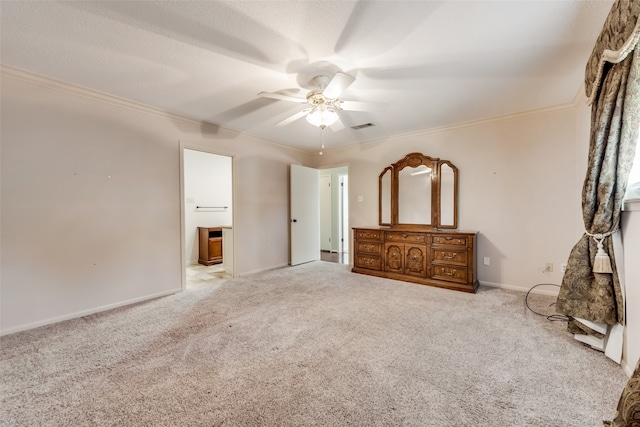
(548, 267)
(563, 267)
(486, 261)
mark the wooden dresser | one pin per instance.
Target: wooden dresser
(445, 259)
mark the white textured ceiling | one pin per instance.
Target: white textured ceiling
(429, 63)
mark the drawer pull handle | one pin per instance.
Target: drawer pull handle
(404, 236)
(448, 274)
(449, 257)
(448, 238)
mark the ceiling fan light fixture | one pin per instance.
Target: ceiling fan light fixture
(322, 117)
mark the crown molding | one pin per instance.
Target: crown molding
(105, 98)
(581, 97)
(577, 101)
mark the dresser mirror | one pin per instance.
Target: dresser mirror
(414, 195)
(419, 190)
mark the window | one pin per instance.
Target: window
(633, 186)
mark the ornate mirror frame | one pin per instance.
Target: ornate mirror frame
(447, 195)
(385, 216)
(443, 193)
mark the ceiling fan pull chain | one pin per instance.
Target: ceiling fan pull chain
(321, 141)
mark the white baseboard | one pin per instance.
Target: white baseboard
(545, 290)
(75, 315)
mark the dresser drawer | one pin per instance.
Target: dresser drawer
(369, 262)
(369, 235)
(444, 239)
(405, 237)
(449, 273)
(373, 248)
(449, 255)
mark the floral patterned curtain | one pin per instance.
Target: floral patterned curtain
(613, 88)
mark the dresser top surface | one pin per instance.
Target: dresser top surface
(409, 229)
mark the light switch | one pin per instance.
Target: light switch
(486, 261)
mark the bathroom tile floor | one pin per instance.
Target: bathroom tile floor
(200, 276)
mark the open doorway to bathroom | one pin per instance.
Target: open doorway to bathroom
(208, 218)
(334, 214)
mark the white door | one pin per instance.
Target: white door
(304, 214)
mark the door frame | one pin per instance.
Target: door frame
(325, 205)
(343, 231)
(348, 216)
(209, 150)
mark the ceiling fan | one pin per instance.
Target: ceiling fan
(323, 102)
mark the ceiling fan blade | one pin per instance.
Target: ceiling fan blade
(293, 118)
(393, 21)
(360, 106)
(282, 97)
(338, 84)
(337, 126)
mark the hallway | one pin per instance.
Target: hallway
(339, 257)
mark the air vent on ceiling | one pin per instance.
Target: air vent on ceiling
(362, 126)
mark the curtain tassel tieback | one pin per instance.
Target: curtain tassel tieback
(602, 262)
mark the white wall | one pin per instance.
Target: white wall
(208, 183)
(518, 189)
(90, 192)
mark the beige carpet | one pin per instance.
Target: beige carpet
(313, 345)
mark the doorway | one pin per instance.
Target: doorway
(207, 218)
(334, 214)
